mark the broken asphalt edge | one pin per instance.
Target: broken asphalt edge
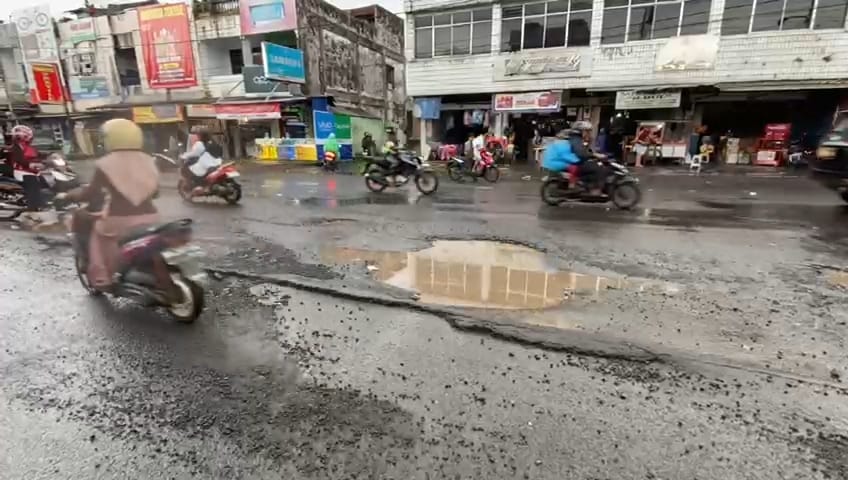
(572, 341)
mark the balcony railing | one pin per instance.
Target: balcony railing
(215, 7)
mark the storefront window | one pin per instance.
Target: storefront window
(458, 33)
(632, 20)
(745, 16)
(546, 25)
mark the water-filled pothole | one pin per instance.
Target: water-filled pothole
(483, 274)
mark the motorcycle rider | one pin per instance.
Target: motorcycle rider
(125, 182)
(558, 157)
(590, 170)
(204, 156)
(23, 157)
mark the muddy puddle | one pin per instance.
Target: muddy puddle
(483, 274)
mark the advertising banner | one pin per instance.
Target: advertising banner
(166, 46)
(35, 32)
(82, 30)
(158, 114)
(266, 16)
(343, 128)
(283, 63)
(48, 83)
(87, 88)
(325, 124)
(633, 100)
(255, 82)
(250, 111)
(529, 101)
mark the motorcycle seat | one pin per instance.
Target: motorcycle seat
(169, 227)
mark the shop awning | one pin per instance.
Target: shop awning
(782, 85)
(641, 88)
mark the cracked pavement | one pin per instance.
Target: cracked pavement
(304, 365)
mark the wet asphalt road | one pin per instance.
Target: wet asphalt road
(275, 381)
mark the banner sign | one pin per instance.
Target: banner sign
(87, 88)
(35, 32)
(343, 130)
(283, 63)
(48, 83)
(633, 100)
(200, 111)
(529, 101)
(158, 114)
(82, 30)
(266, 16)
(249, 111)
(324, 124)
(166, 46)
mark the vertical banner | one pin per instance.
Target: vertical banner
(48, 83)
(166, 46)
(325, 124)
(266, 16)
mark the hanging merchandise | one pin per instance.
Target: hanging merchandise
(466, 118)
(477, 117)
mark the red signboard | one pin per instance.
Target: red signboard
(48, 83)
(166, 46)
(236, 111)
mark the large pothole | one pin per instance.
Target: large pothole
(483, 274)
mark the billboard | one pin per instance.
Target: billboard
(48, 83)
(166, 46)
(266, 16)
(283, 63)
(87, 88)
(35, 32)
(168, 113)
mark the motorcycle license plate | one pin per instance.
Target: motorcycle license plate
(233, 174)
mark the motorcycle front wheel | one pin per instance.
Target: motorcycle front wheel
(373, 184)
(427, 182)
(455, 172)
(553, 192)
(82, 275)
(193, 301)
(184, 189)
(626, 195)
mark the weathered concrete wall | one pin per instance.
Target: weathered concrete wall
(346, 57)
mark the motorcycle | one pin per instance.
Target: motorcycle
(54, 176)
(218, 182)
(381, 174)
(330, 162)
(485, 167)
(134, 278)
(619, 187)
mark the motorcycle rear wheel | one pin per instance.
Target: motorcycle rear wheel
(492, 174)
(455, 172)
(552, 192)
(372, 184)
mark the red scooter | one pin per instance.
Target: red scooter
(218, 182)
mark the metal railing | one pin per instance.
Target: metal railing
(215, 7)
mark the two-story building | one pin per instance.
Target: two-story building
(529, 67)
(352, 68)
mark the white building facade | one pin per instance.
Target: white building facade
(685, 61)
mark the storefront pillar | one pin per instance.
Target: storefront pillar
(500, 123)
(236, 135)
(425, 145)
(595, 118)
(275, 129)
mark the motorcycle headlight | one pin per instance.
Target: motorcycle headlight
(826, 153)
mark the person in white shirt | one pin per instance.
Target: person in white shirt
(477, 145)
(203, 156)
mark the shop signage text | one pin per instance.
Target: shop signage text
(48, 83)
(200, 111)
(35, 31)
(255, 81)
(689, 52)
(283, 63)
(167, 46)
(633, 100)
(248, 111)
(158, 114)
(82, 30)
(539, 65)
(528, 101)
(87, 88)
(325, 124)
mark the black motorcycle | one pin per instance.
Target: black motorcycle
(383, 173)
(619, 187)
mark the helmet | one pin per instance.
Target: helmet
(22, 133)
(581, 125)
(122, 134)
